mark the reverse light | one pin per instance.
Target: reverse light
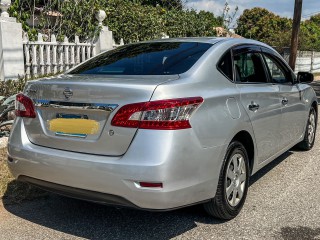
(171, 114)
(24, 106)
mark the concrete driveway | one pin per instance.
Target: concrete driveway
(283, 203)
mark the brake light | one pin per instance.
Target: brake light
(171, 114)
(24, 107)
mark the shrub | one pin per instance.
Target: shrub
(132, 20)
(11, 87)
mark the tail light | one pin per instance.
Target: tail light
(169, 114)
(24, 107)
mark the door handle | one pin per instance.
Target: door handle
(284, 101)
(253, 106)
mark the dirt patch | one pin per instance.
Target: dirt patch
(5, 175)
(3, 143)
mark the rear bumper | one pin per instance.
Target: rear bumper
(87, 195)
(189, 173)
(78, 193)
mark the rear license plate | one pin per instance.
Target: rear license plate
(71, 124)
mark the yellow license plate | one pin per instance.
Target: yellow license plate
(74, 126)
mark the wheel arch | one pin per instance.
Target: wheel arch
(246, 139)
(315, 106)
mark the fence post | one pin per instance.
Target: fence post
(72, 63)
(105, 39)
(27, 55)
(60, 62)
(66, 53)
(11, 46)
(48, 61)
(54, 54)
(77, 42)
(41, 55)
(34, 62)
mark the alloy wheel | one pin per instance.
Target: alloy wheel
(235, 179)
(311, 127)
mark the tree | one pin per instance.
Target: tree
(24, 10)
(265, 26)
(310, 34)
(72, 17)
(228, 16)
(315, 19)
(132, 20)
(309, 38)
(76, 17)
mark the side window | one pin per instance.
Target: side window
(249, 68)
(225, 65)
(277, 73)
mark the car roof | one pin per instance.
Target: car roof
(191, 39)
(211, 40)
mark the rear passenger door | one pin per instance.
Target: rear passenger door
(260, 99)
(292, 108)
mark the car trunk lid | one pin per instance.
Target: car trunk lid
(74, 112)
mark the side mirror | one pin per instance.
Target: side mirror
(305, 77)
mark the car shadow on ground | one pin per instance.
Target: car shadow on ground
(94, 221)
(258, 175)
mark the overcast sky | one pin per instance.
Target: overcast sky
(281, 7)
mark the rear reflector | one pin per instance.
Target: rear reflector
(171, 114)
(150, 185)
(24, 107)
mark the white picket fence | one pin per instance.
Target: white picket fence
(52, 57)
(45, 58)
(22, 58)
(308, 61)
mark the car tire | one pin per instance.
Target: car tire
(310, 132)
(233, 184)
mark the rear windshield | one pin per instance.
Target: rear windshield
(161, 58)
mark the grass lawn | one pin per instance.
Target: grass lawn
(12, 191)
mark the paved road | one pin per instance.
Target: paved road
(283, 203)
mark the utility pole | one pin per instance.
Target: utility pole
(295, 33)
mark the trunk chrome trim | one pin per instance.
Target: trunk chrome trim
(75, 105)
(71, 135)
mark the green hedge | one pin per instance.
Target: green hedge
(11, 87)
(135, 22)
(131, 20)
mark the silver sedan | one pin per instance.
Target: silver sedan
(163, 124)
